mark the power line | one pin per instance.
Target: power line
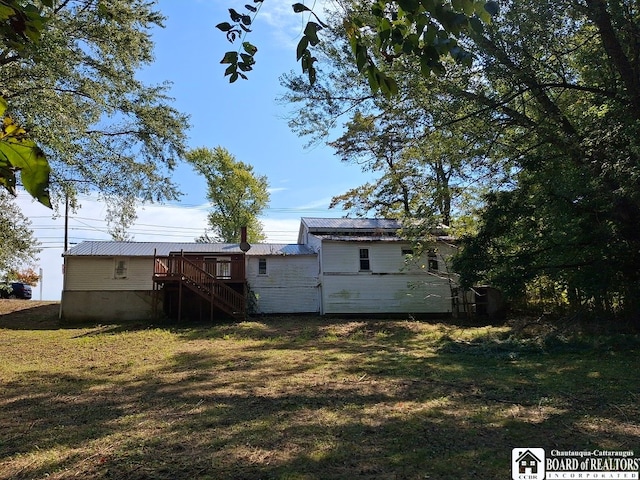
(100, 226)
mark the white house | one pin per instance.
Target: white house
(338, 266)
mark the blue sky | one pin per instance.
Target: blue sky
(243, 117)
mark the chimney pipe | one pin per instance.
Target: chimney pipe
(244, 245)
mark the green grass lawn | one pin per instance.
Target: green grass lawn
(303, 398)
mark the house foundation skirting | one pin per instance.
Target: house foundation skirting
(106, 306)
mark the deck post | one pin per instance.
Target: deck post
(181, 273)
(180, 302)
(211, 305)
(156, 290)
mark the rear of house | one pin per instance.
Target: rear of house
(339, 266)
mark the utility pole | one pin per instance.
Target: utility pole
(66, 221)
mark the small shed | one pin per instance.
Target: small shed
(480, 302)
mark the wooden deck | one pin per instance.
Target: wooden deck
(218, 280)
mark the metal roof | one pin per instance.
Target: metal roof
(279, 249)
(362, 238)
(147, 249)
(381, 238)
(351, 223)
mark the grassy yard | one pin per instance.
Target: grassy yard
(303, 398)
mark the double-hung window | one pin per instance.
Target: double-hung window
(364, 260)
(262, 266)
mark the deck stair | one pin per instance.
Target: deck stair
(178, 271)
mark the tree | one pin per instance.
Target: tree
(17, 244)
(363, 40)
(20, 26)
(427, 30)
(26, 275)
(425, 162)
(555, 85)
(424, 170)
(557, 78)
(237, 195)
(121, 214)
(76, 93)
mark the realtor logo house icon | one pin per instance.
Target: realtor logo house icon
(527, 463)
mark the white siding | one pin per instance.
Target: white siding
(98, 273)
(399, 293)
(344, 257)
(389, 287)
(313, 242)
(289, 286)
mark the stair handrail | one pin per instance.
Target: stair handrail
(217, 290)
(160, 268)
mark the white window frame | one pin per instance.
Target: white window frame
(261, 261)
(366, 258)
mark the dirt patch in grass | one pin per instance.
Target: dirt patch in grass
(304, 398)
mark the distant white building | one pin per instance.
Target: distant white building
(339, 266)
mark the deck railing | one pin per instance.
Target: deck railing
(178, 268)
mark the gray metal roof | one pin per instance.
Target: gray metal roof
(147, 249)
(381, 238)
(362, 238)
(350, 223)
(267, 249)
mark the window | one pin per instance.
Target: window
(223, 268)
(219, 267)
(262, 266)
(120, 268)
(432, 261)
(364, 259)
